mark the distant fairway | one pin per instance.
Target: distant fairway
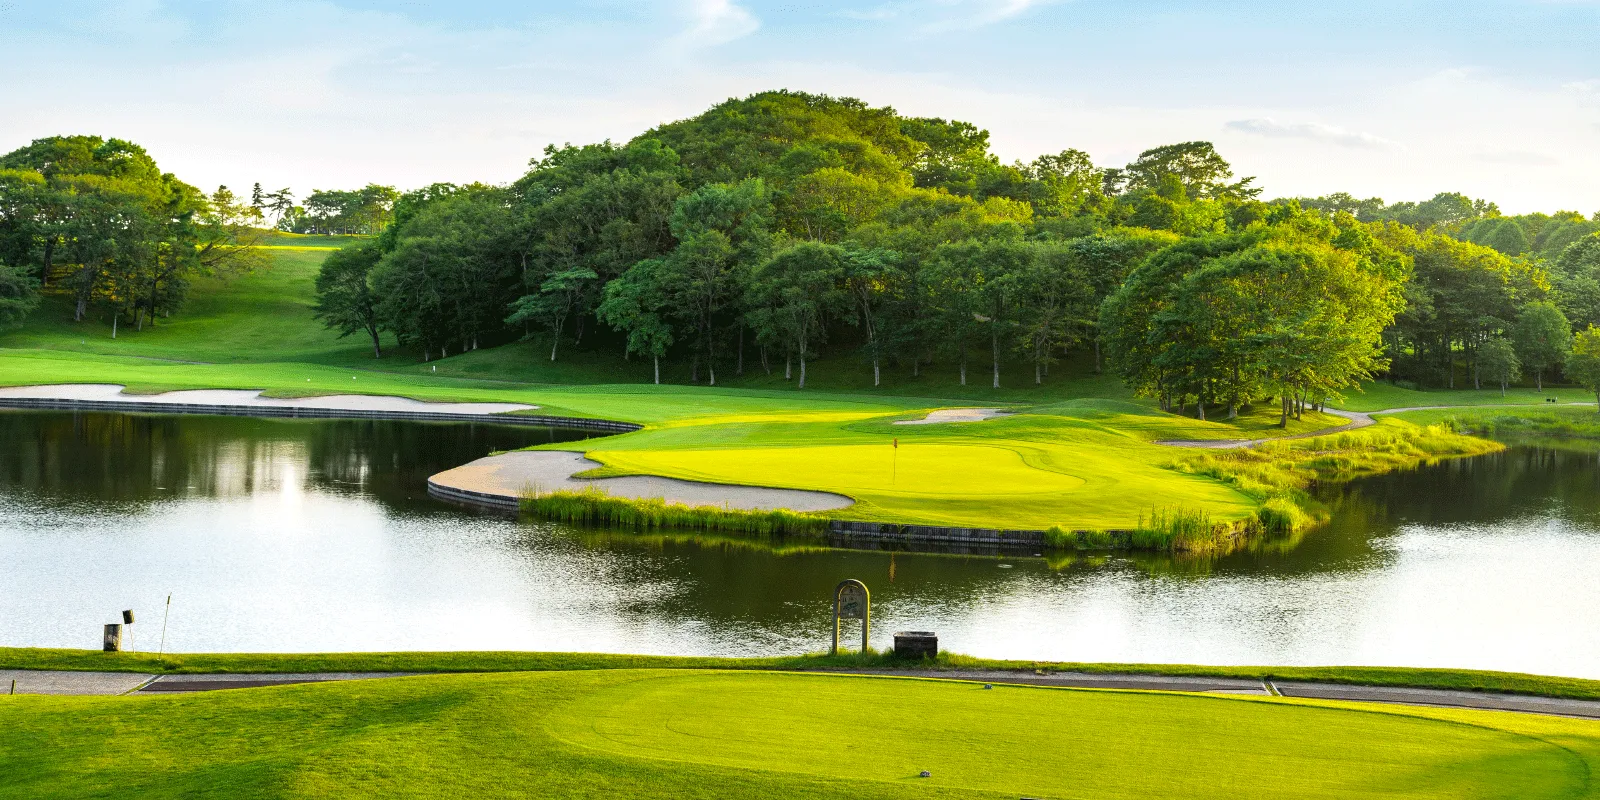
(669, 734)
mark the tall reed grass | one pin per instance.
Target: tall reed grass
(1281, 475)
(596, 508)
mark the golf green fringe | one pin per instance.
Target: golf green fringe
(596, 508)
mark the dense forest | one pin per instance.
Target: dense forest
(774, 229)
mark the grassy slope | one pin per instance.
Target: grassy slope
(1082, 458)
(648, 734)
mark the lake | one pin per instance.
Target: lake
(318, 535)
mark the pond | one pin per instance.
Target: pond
(300, 535)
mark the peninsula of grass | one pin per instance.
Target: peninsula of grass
(646, 733)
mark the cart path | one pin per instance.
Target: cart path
(64, 682)
(1357, 419)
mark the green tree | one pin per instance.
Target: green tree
(1543, 338)
(345, 300)
(799, 287)
(1498, 361)
(19, 296)
(559, 295)
(635, 303)
(1583, 363)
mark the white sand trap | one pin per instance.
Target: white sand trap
(250, 398)
(956, 415)
(511, 474)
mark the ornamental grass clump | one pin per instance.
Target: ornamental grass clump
(596, 508)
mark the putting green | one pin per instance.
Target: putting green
(919, 470)
(1040, 742)
(972, 482)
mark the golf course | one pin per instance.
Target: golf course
(1080, 453)
(800, 448)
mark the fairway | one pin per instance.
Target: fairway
(655, 733)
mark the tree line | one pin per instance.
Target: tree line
(773, 228)
(776, 228)
(96, 220)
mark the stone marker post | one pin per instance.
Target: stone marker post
(113, 642)
(851, 600)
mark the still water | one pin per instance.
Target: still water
(280, 535)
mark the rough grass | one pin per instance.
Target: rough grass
(648, 734)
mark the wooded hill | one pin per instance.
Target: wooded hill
(781, 226)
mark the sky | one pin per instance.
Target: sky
(1399, 100)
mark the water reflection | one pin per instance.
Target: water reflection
(315, 535)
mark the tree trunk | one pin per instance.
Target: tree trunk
(114, 316)
(694, 369)
(49, 260)
(765, 364)
(1283, 410)
(875, 373)
(554, 343)
(802, 365)
(1538, 379)
(963, 365)
(788, 365)
(1097, 355)
(740, 370)
(1038, 377)
(658, 370)
(377, 347)
(994, 352)
(1502, 388)
(1200, 409)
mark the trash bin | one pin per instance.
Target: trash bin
(916, 644)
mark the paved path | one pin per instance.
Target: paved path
(1487, 701)
(1357, 419)
(508, 476)
(114, 683)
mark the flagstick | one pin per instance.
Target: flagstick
(163, 652)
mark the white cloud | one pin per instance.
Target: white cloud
(1517, 158)
(1307, 130)
(939, 16)
(715, 22)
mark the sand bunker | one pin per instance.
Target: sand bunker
(250, 398)
(956, 415)
(512, 474)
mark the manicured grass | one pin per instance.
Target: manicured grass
(265, 315)
(519, 661)
(1377, 396)
(647, 734)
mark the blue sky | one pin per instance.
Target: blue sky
(1399, 100)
